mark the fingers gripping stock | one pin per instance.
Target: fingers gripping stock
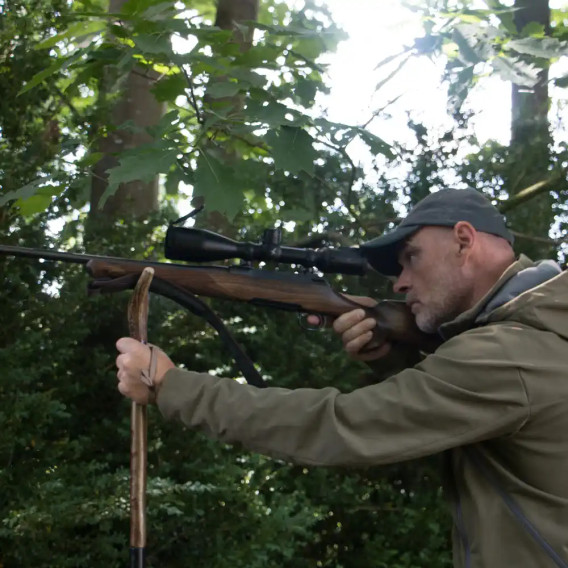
(396, 324)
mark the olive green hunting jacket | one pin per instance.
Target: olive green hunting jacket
(493, 398)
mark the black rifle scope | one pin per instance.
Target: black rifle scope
(201, 245)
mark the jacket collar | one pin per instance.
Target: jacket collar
(467, 319)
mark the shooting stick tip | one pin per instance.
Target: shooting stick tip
(138, 306)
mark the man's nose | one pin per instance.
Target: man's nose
(402, 285)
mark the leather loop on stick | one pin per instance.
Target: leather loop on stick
(148, 377)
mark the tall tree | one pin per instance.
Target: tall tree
(530, 134)
(236, 17)
(135, 105)
(530, 106)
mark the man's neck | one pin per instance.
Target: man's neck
(488, 278)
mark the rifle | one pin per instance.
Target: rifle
(304, 292)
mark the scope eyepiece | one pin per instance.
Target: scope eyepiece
(201, 245)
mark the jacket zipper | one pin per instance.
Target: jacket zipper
(479, 461)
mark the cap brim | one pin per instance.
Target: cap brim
(382, 252)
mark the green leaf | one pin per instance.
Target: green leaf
(475, 42)
(106, 53)
(376, 145)
(92, 159)
(33, 205)
(159, 12)
(533, 29)
(467, 52)
(25, 192)
(310, 48)
(75, 31)
(271, 113)
(35, 197)
(504, 14)
(153, 43)
(141, 164)
(212, 35)
(39, 77)
(173, 178)
(165, 125)
(459, 88)
(516, 71)
(60, 64)
(138, 7)
(305, 90)
(547, 48)
(287, 30)
(218, 184)
(468, 18)
(249, 77)
(86, 73)
(292, 149)
(220, 89)
(199, 63)
(259, 56)
(561, 82)
(169, 88)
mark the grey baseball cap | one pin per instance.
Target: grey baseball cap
(444, 208)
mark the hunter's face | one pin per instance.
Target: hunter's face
(432, 279)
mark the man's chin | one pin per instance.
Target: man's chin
(426, 323)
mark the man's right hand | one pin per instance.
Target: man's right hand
(356, 330)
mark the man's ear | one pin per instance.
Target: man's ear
(465, 236)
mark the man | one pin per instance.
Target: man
(493, 396)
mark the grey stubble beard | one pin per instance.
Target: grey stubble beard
(446, 303)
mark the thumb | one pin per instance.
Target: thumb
(129, 345)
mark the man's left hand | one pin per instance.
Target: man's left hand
(133, 359)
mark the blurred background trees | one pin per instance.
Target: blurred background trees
(115, 119)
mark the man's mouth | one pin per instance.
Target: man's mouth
(412, 305)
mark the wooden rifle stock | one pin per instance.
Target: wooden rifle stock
(305, 293)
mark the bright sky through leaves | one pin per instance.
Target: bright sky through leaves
(377, 29)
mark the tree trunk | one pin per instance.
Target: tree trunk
(231, 15)
(530, 141)
(530, 106)
(137, 104)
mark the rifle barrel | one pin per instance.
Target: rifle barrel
(46, 254)
(76, 258)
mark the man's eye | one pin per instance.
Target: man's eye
(409, 258)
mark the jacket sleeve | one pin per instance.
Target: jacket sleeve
(467, 391)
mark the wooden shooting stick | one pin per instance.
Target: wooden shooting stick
(138, 325)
